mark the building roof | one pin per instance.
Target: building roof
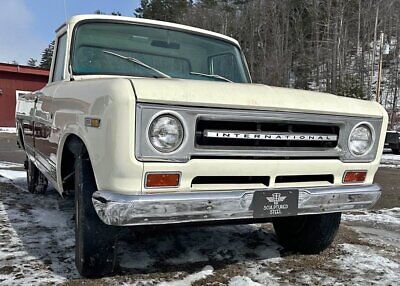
(23, 69)
(78, 18)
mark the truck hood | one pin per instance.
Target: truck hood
(249, 96)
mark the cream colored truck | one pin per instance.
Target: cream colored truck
(153, 123)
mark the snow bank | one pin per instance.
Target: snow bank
(8, 165)
(13, 175)
(384, 216)
(8, 130)
(243, 281)
(20, 261)
(368, 266)
(17, 178)
(390, 160)
(190, 279)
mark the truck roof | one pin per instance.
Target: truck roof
(78, 18)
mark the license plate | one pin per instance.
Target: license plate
(275, 203)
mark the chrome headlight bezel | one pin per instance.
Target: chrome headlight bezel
(178, 120)
(371, 143)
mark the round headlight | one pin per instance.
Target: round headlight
(166, 133)
(361, 139)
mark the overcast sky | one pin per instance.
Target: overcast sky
(27, 26)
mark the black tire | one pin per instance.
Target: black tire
(309, 234)
(37, 182)
(95, 242)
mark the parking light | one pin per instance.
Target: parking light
(354, 177)
(162, 180)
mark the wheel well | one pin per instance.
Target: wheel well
(73, 146)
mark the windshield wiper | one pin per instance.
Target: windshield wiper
(136, 61)
(217, 76)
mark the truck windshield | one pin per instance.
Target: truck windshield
(146, 51)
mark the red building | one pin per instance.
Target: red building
(14, 80)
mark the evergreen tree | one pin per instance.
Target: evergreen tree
(142, 9)
(165, 10)
(114, 13)
(32, 62)
(47, 55)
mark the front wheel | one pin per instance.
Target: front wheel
(308, 234)
(95, 242)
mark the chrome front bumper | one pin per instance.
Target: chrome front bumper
(172, 208)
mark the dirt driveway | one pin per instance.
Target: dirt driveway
(37, 244)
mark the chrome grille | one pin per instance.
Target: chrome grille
(265, 134)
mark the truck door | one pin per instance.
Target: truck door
(42, 126)
(45, 136)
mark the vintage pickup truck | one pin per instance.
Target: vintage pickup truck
(392, 141)
(154, 123)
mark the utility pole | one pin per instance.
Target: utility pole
(394, 103)
(378, 86)
(373, 52)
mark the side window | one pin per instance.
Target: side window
(60, 58)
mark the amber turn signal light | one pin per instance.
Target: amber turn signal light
(162, 180)
(354, 177)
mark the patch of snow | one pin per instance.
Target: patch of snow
(379, 236)
(381, 227)
(391, 160)
(49, 218)
(25, 257)
(9, 165)
(389, 166)
(318, 278)
(384, 216)
(17, 178)
(13, 175)
(259, 272)
(190, 279)
(368, 266)
(8, 130)
(243, 281)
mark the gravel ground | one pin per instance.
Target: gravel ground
(37, 246)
